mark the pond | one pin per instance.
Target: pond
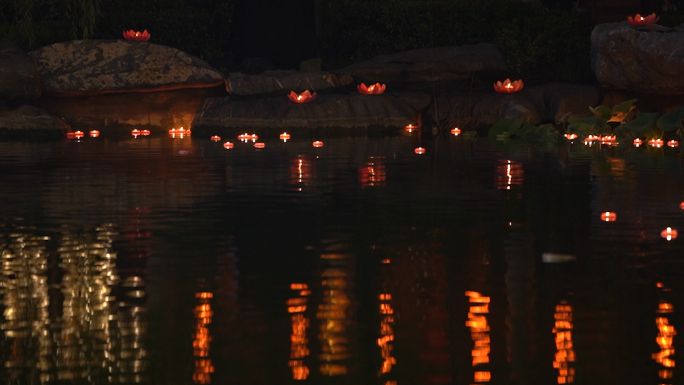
(160, 260)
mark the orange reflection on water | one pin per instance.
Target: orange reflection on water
(373, 173)
(386, 334)
(300, 170)
(298, 340)
(508, 173)
(665, 338)
(202, 339)
(565, 354)
(479, 331)
(332, 313)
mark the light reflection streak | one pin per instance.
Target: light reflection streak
(332, 313)
(386, 334)
(479, 331)
(202, 339)
(665, 340)
(508, 173)
(298, 341)
(372, 173)
(565, 354)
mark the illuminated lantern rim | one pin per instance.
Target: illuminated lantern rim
(318, 143)
(304, 97)
(508, 86)
(419, 150)
(373, 89)
(640, 21)
(136, 35)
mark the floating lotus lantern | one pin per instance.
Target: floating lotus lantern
(318, 143)
(78, 134)
(94, 133)
(373, 89)
(259, 145)
(181, 132)
(246, 137)
(419, 151)
(145, 132)
(638, 142)
(609, 140)
(656, 143)
(673, 143)
(608, 216)
(136, 36)
(508, 87)
(681, 205)
(571, 136)
(640, 21)
(456, 131)
(285, 136)
(669, 233)
(304, 97)
(411, 128)
(228, 145)
(215, 138)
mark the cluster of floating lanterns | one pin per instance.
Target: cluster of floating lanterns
(254, 137)
(669, 233)
(611, 140)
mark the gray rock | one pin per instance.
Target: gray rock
(344, 111)
(94, 67)
(430, 65)
(561, 101)
(282, 82)
(19, 80)
(648, 60)
(28, 118)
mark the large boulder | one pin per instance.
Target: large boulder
(19, 79)
(282, 82)
(648, 60)
(26, 119)
(548, 102)
(426, 66)
(95, 67)
(342, 110)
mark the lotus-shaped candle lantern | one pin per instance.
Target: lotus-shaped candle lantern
(608, 216)
(318, 143)
(638, 142)
(571, 136)
(227, 145)
(215, 138)
(285, 136)
(259, 145)
(656, 143)
(669, 233)
(419, 150)
(94, 133)
(304, 97)
(508, 87)
(640, 21)
(456, 131)
(373, 89)
(673, 143)
(136, 36)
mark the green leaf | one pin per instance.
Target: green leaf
(643, 122)
(625, 106)
(602, 112)
(587, 125)
(671, 121)
(508, 126)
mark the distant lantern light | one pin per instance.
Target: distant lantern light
(259, 145)
(456, 131)
(285, 136)
(70, 135)
(215, 138)
(656, 143)
(673, 143)
(145, 132)
(78, 134)
(419, 150)
(180, 132)
(227, 145)
(411, 128)
(571, 136)
(318, 143)
(669, 233)
(135, 133)
(608, 216)
(638, 142)
(94, 133)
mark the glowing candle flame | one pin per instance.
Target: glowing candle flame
(94, 133)
(227, 145)
(608, 216)
(673, 143)
(669, 233)
(656, 143)
(284, 136)
(638, 142)
(410, 128)
(571, 136)
(259, 145)
(318, 143)
(215, 138)
(419, 150)
(456, 131)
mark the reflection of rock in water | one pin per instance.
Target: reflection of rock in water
(24, 292)
(93, 336)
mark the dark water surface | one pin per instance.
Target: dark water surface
(175, 261)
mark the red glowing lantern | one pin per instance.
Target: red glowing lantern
(135, 132)
(318, 143)
(571, 136)
(227, 145)
(373, 89)
(669, 233)
(145, 132)
(607, 139)
(246, 137)
(284, 136)
(608, 216)
(456, 131)
(78, 134)
(681, 205)
(419, 150)
(411, 128)
(656, 143)
(136, 36)
(638, 142)
(304, 97)
(70, 135)
(673, 143)
(215, 138)
(94, 133)
(179, 131)
(259, 144)
(508, 87)
(640, 21)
